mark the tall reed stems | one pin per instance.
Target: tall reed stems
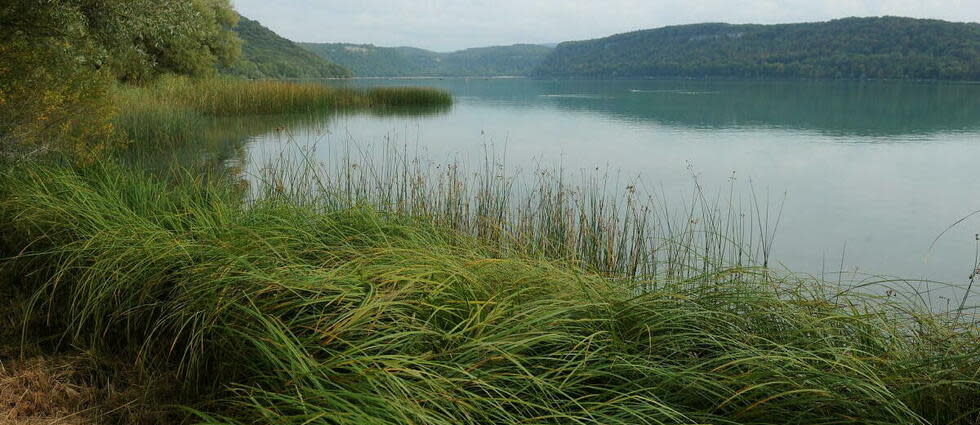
(300, 308)
(599, 220)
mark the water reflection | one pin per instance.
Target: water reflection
(218, 145)
(836, 108)
(884, 202)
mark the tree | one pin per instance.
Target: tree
(59, 59)
(135, 39)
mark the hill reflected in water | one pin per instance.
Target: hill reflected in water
(836, 108)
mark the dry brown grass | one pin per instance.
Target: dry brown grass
(37, 389)
(40, 386)
(79, 389)
(45, 390)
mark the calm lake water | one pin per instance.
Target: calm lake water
(868, 174)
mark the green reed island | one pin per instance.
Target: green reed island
(383, 290)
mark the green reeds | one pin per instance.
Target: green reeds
(294, 310)
(175, 112)
(235, 97)
(398, 97)
(599, 221)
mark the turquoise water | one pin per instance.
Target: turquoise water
(867, 174)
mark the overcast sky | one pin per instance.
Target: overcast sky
(446, 25)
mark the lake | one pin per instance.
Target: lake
(866, 174)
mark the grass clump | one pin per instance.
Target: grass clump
(179, 111)
(235, 97)
(601, 222)
(281, 310)
(407, 97)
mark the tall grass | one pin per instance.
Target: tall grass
(182, 113)
(407, 97)
(601, 221)
(297, 310)
(235, 97)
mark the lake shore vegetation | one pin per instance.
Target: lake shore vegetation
(278, 306)
(175, 110)
(389, 289)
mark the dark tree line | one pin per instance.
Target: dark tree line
(853, 48)
(373, 61)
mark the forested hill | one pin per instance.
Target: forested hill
(880, 48)
(267, 55)
(366, 60)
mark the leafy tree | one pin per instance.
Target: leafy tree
(134, 39)
(50, 98)
(59, 59)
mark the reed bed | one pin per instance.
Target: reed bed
(236, 97)
(408, 97)
(175, 112)
(282, 307)
(600, 221)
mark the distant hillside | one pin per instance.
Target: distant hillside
(892, 48)
(267, 55)
(371, 61)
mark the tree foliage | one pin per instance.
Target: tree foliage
(49, 99)
(59, 58)
(134, 39)
(853, 48)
